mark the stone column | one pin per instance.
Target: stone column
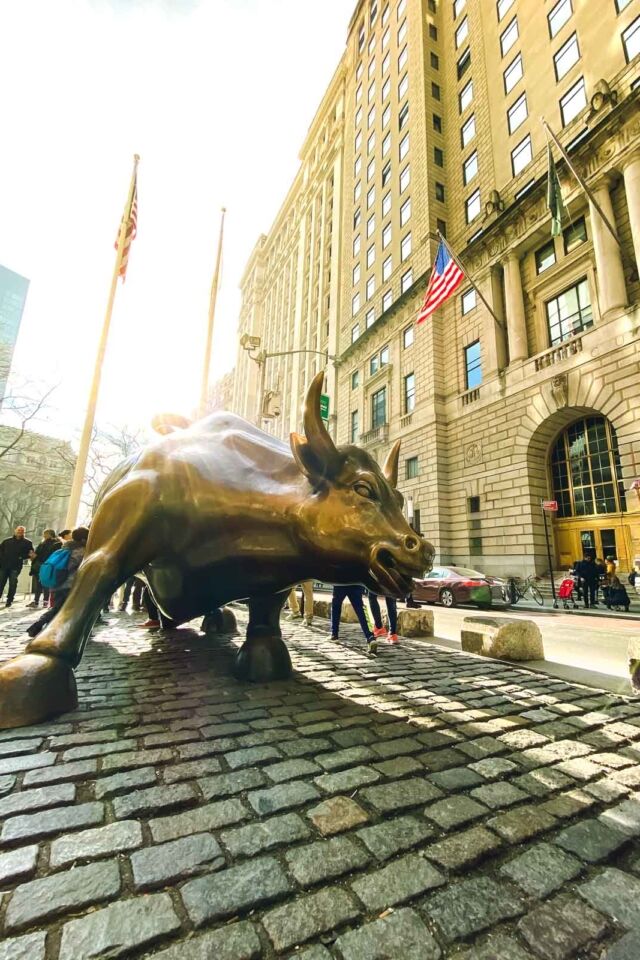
(631, 173)
(514, 303)
(612, 293)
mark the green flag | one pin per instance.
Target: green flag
(554, 197)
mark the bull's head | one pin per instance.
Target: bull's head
(352, 518)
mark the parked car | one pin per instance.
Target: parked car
(453, 585)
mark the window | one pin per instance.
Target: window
(458, 7)
(386, 236)
(358, 92)
(558, 16)
(356, 274)
(371, 225)
(357, 166)
(463, 64)
(384, 356)
(631, 40)
(405, 177)
(402, 32)
(409, 393)
(356, 245)
(470, 167)
(371, 168)
(379, 408)
(512, 74)
(386, 145)
(356, 219)
(405, 247)
(416, 520)
(404, 147)
(385, 66)
(386, 174)
(472, 206)
(503, 6)
(371, 93)
(355, 332)
(586, 474)
(373, 11)
(466, 96)
(357, 190)
(441, 226)
(402, 59)
(385, 38)
(622, 5)
(403, 86)
(371, 287)
(411, 468)
(361, 37)
(355, 304)
(370, 317)
(406, 281)
(386, 204)
(521, 155)
(517, 113)
(468, 131)
(386, 90)
(403, 116)
(355, 379)
(569, 313)
(435, 61)
(439, 187)
(407, 336)
(468, 301)
(574, 100)
(567, 56)
(371, 142)
(437, 123)
(438, 157)
(371, 196)
(385, 16)
(387, 300)
(386, 269)
(358, 116)
(386, 115)
(433, 32)
(357, 143)
(509, 36)
(371, 117)
(545, 257)
(371, 255)
(473, 365)
(405, 211)
(359, 70)
(401, 7)
(372, 67)
(462, 32)
(355, 426)
(473, 504)
(574, 235)
(435, 91)
(524, 190)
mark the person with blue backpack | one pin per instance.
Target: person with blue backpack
(58, 572)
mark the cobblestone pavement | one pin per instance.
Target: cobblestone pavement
(422, 805)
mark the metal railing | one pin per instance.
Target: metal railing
(568, 348)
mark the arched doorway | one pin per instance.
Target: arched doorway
(586, 480)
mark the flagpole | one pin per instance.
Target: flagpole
(212, 310)
(87, 430)
(582, 183)
(472, 282)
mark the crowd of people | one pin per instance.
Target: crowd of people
(594, 576)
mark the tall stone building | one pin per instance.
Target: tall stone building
(36, 472)
(442, 131)
(13, 295)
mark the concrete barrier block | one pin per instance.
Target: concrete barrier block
(415, 623)
(505, 638)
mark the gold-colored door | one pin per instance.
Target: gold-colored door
(608, 536)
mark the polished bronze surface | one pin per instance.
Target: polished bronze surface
(220, 511)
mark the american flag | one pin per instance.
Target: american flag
(446, 276)
(132, 229)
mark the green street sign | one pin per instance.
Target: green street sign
(324, 406)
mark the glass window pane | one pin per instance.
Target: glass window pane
(509, 36)
(574, 100)
(473, 365)
(513, 73)
(631, 39)
(566, 57)
(521, 155)
(559, 16)
(517, 113)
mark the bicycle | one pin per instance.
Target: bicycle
(518, 589)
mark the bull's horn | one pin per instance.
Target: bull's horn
(315, 431)
(168, 422)
(390, 468)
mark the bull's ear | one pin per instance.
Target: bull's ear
(310, 463)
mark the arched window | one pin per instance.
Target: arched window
(585, 469)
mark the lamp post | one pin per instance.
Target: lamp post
(252, 346)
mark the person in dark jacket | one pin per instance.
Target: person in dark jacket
(13, 552)
(76, 547)
(48, 545)
(589, 573)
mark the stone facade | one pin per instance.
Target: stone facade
(475, 460)
(221, 393)
(35, 481)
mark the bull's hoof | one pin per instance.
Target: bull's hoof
(262, 659)
(33, 688)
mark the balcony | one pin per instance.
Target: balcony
(406, 420)
(470, 396)
(559, 353)
(377, 435)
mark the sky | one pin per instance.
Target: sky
(216, 96)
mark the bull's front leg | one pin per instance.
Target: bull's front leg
(264, 656)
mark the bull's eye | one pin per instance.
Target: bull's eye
(364, 489)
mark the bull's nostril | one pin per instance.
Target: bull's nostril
(411, 543)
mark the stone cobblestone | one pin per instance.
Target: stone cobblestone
(473, 805)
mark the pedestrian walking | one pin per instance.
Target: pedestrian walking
(379, 630)
(589, 574)
(134, 586)
(294, 603)
(153, 614)
(43, 551)
(13, 553)
(354, 593)
(62, 566)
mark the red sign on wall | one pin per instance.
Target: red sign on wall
(550, 505)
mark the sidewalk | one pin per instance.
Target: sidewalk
(425, 804)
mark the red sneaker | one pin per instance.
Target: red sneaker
(393, 638)
(379, 631)
(150, 623)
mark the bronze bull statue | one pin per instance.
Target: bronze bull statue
(222, 511)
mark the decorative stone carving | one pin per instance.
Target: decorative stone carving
(560, 390)
(473, 453)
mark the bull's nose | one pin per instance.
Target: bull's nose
(411, 543)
